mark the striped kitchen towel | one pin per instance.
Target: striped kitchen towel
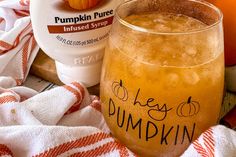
(17, 44)
(67, 121)
(217, 141)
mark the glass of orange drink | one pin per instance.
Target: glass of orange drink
(163, 74)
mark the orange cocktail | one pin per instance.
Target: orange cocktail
(163, 74)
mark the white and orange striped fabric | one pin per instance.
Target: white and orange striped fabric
(67, 121)
(17, 44)
(217, 141)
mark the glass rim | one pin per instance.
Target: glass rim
(146, 30)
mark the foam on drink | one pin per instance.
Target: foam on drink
(176, 50)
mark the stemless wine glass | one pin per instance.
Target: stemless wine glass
(163, 74)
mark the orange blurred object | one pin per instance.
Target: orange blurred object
(83, 4)
(228, 9)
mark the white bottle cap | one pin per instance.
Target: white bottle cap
(88, 75)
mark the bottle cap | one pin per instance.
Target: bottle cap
(88, 75)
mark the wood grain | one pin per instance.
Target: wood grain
(228, 103)
(44, 67)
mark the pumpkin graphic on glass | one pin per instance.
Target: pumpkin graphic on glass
(188, 108)
(119, 90)
(82, 4)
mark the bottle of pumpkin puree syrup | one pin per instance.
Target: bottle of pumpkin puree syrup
(74, 33)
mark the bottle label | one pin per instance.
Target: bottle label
(80, 23)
